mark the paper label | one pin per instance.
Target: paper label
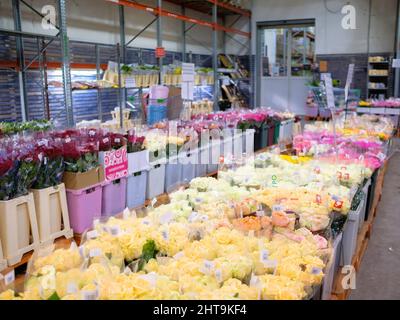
(381, 156)
(316, 271)
(115, 231)
(153, 202)
(218, 275)
(92, 234)
(260, 213)
(126, 214)
(9, 278)
(264, 255)
(95, 252)
(277, 207)
(165, 235)
(179, 255)
(90, 295)
(329, 91)
(72, 288)
(166, 218)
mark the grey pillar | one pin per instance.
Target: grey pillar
(396, 90)
(122, 60)
(215, 57)
(183, 36)
(21, 60)
(159, 35)
(66, 69)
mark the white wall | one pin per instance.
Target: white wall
(98, 21)
(331, 38)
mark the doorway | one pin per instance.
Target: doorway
(285, 57)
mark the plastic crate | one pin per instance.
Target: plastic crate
(19, 232)
(138, 161)
(52, 213)
(248, 142)
(364, 208)
(188, 161)
(136, 189)
(155, 180)
(371, 194)
(173, 173)
(114, 197)
(214, 155)
(332, 268)
(201, 167)
(84, 206)
(350, 232)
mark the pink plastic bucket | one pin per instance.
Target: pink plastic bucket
(84, 206)
(114, 197)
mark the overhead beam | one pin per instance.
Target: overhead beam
(165, 13)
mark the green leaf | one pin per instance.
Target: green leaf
(54, 296)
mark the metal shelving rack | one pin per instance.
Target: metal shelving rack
(215, 8)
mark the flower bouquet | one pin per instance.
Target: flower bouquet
(28, 167)
(80, 157)
(8, 170)
(51, 171)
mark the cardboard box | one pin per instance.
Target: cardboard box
(83, 180)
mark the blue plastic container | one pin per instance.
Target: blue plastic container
(156, 113)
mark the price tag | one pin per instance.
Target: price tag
(92, 133)
(264, 255)
(115, 231)
(105, 140)
(277, 207)
(166, 218)
(338, 204)
(9, 278)
(260, 213)
(153, 202)
(67, 140)
(193, 217)
(179, 255)
(90, 295)
(117, 140)
(165, 235)
(146, 222)
(381, 156)
(329, 91)
(254, 281)
(218, 275)
(82, 251)
(126, 214)
(271, 264)
(95, 252)
(72, 288)
(92, 234)
(209, 265)
(316, 271)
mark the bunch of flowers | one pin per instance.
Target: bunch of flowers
(135, 142)
(51, 170)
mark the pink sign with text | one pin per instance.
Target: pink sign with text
(115, 164)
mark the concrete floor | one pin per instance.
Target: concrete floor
(379, 274)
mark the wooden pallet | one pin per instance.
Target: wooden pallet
(363, 238)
